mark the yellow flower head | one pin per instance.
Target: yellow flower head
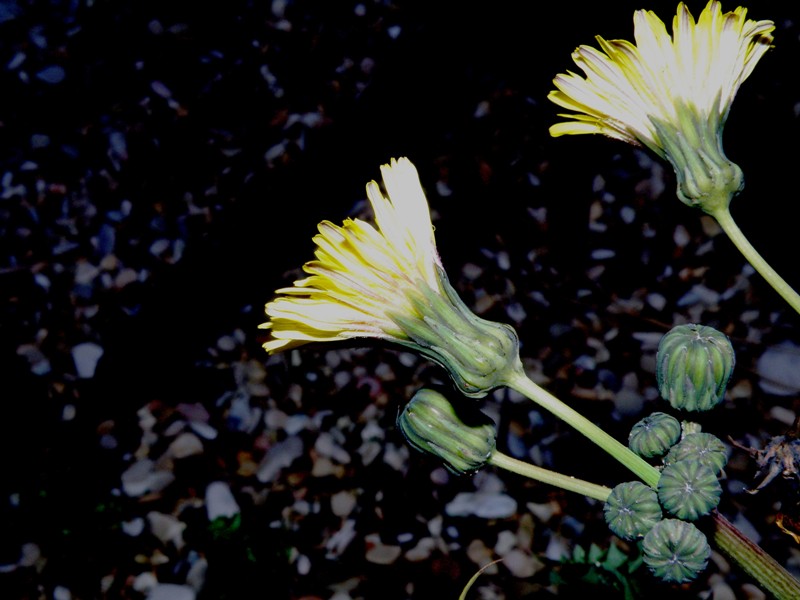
(388, 283)
(670, 94)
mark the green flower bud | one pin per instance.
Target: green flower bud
(675, 551)
(632, 510)
(693, 366)
(706, 448)
(464, 442)
(688, 489)
(480, 355)
(654, 435)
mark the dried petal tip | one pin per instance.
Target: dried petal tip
(464, 442)
(676, 551)
(654, 435)
(688, 489)
(693, 366)
(632, 510)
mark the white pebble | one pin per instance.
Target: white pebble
(681, 236)
(166, 528)
(657, 301)
(61, 593)
(171, 591)
(779, 369)
(220, 501)
(521, 564)
(422, 551)
(481, 504)
(343, 503)
(85, 356)
(203, 429)
(144, 582)
(185, 445)
(603, 253)
(141, 478)
(303, 565)
(134, 527)
(380, 553)
(340, 540)
(30, 554)
(280, 456)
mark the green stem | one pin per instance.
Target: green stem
(729, 226)
(571, 484)
(637, 465)
(752, 559)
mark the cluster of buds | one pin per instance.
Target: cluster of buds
(694, 366)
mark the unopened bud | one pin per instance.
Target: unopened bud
(693, 366)
(430, 424)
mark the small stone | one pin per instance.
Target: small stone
(220, 501)
(29, 555)
(171, 591)
(481, 556)
(144, 582)
(134, 527)
(141, 478)
(61, 593)
(340, 540)
(280, 456)
(422, 551)
(52, 74)
(166, 528)
(185, 445)
(779, 369)
(343, 503)
(380, 553)
(482, 504)
(85, 356)
(521, 564)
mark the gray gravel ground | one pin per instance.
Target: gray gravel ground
(162, 170)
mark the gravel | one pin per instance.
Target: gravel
(162, 170)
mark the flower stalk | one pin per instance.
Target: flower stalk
(731, 229)
(753, 560)
(570, 484)
(637, 465)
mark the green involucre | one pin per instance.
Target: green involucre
(430, 424)
(479, 355)
(654, 435)
(688, 489)
(675, 551)
(632, 510)
(706, 448)
(693, 366)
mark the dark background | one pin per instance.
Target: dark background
(171, 113)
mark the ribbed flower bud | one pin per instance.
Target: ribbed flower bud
(693, 366)
(706, 448)
(480, 355)
(464, 442)
(632, 510)
(688, 489)
(675, 551)
(707, 179)
(654, 435)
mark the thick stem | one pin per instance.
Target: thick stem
(571, 484)
(637, 465)
(753, 560)
(729, 226)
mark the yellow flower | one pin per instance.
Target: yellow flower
(388, 284)
(670, 94)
